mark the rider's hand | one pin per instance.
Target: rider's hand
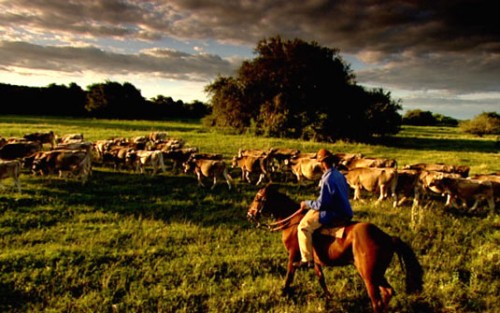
(304, 206)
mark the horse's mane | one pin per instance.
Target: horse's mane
(280, 204)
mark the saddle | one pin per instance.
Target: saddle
(336, 231)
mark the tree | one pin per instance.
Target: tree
(382, 116)
(482, 124)
(418, 117)
(229, 110)
(444, 120)
(64, 100)
(299, 90)
(114, 100)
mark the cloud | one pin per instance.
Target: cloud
(449, 45)
(458, 73)
(162, 62)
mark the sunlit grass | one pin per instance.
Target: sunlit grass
(128, 242)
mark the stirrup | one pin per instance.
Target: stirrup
(304, 264)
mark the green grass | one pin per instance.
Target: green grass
(133, 243)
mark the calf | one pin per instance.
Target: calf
(208, 168)
(466, 190)
(380, 180)
(11, 169)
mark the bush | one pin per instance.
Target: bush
(486, 123)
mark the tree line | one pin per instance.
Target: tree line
(292, 89)
(101, 100)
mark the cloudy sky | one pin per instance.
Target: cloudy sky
(439, 56)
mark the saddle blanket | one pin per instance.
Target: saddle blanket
(337, 232)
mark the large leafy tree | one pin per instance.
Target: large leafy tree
(112, 99)
(301, 90)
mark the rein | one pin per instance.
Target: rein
(283, 223)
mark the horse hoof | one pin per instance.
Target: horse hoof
(287, 292)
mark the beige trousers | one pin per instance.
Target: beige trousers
(307, 226)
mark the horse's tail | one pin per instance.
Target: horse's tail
(410, 265)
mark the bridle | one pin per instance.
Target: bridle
(275, 226)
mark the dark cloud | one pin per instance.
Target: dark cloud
(451, 45)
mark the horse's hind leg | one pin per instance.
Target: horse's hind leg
(321, 279)
(375, 297)
(386, 291)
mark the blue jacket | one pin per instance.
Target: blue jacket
(333, 201)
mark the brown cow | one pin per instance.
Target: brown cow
(158, 136)
(76, 145)
(208, 168)
(466, 190)
(42, 138)
(408, 186)
(305, 168)
(11, 169)
(252, 164)
(278, 157)
(142, 158)
(179, 156)
(19, 150)
(70, 138)
(426, 186)
(117, 156)
(355, 162)
(463, 170)
(373, 179)
(64, 162)
(494, 178)
(252, 152)
(3, 141)
(169, 144)
(282, 154)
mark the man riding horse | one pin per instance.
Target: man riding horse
(331, 208)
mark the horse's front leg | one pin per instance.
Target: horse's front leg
(290, 273)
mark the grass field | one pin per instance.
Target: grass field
(127, 242)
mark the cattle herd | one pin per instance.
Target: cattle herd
(72, 157)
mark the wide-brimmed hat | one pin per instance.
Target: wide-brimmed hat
(323, 155)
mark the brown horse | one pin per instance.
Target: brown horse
(363, 244)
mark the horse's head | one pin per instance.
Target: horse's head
(258, 205)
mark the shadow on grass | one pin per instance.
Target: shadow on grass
(166, 197)
(142, 125)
